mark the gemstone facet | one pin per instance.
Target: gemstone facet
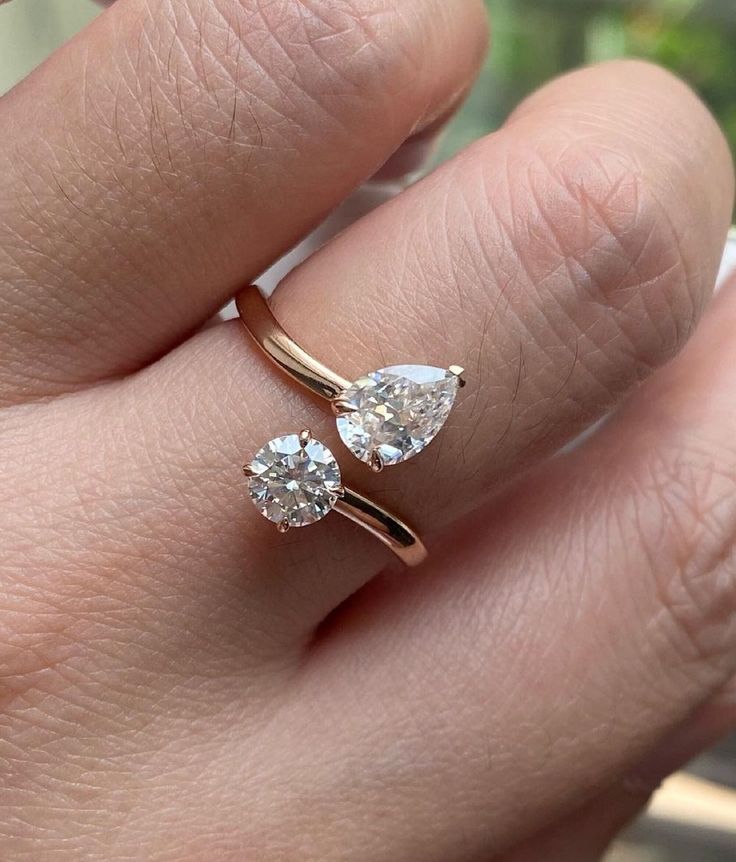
(397, 412)
(294, 480)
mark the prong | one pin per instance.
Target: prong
(458, 371)
(339, 491)
(282, 526)
(376, 462)
(304, 437)
(341, 406)
(249, 471)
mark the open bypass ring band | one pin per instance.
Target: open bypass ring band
(384, 418)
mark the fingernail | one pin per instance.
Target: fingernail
(410, 159)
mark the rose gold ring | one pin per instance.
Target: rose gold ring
(385, 417)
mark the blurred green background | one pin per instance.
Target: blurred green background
(536, 39)
(533, 41)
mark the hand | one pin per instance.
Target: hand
(181, 683)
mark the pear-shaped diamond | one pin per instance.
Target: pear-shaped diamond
(390, 415)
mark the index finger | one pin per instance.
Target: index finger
(173, 150)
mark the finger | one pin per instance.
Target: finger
(585, 835)
(556, 298)
(205, 143)
(595, 612)
(612, 273)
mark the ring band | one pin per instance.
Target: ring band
(387, 528)
(262, 326)
(384, 418)
(260, 323)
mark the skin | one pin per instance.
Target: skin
(181, 683)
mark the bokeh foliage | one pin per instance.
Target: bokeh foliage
(536, 39)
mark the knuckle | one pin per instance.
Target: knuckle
(613, 236)
(597, 244)
(693, 551)
(590, 273)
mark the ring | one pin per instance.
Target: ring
(295, 481)
(384, 417)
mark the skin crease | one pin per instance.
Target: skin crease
(179, 682)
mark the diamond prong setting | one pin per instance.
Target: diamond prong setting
(375, 461)
(341, 406)
(459, 372)
(294, 480)
(395, 412)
